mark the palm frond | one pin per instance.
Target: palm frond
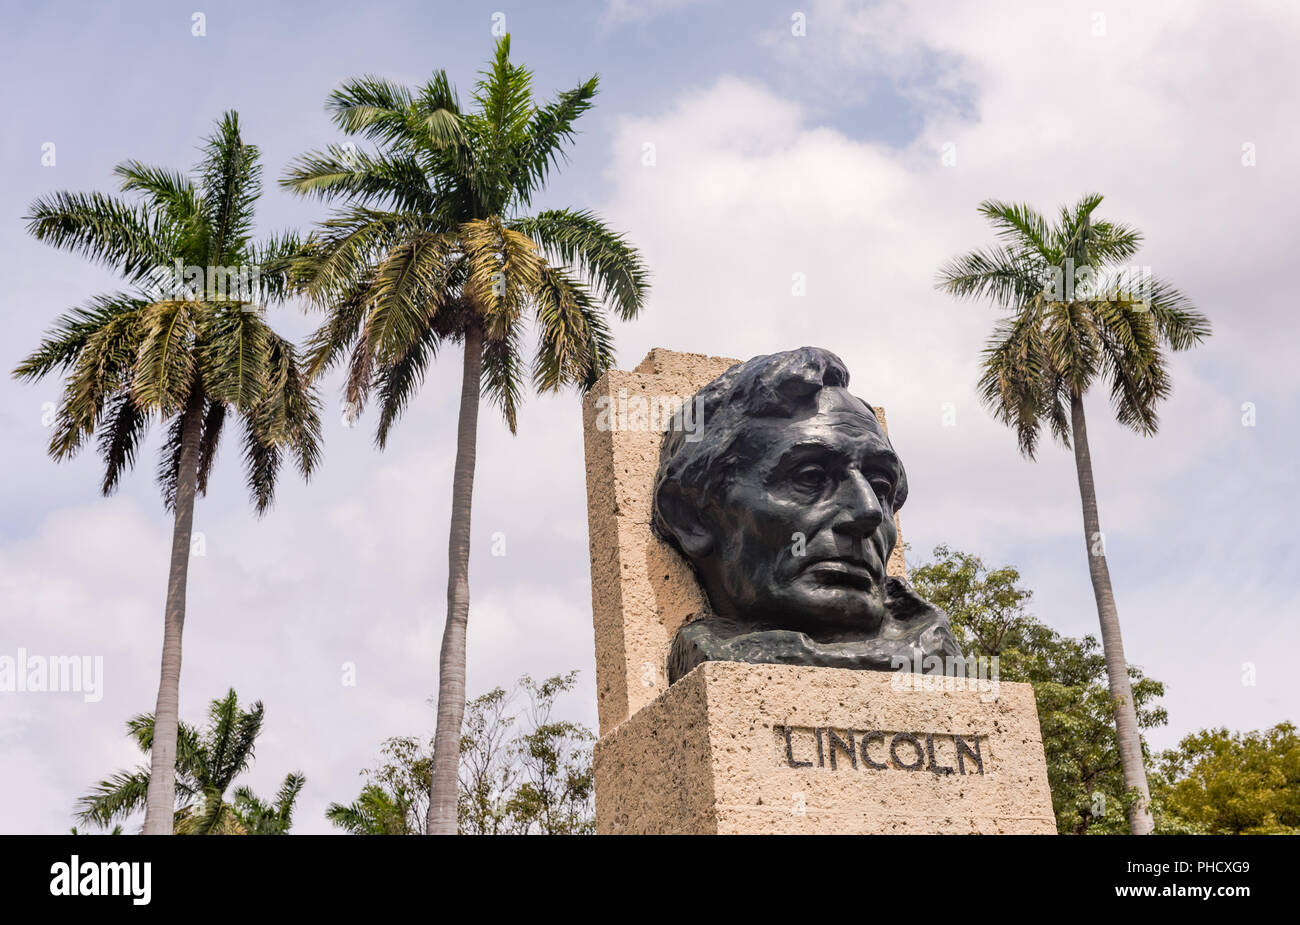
(579, 239)
(168, 191)
(103, 229)
(503, 374)
(392, 180)
(276, 261)
(104, 365)
(229, 743)
(398, 381)
(375, 812)
(574, 342)
(409, 284)
(343, 254)
(1020, 227)
(289, 414)
(549, 129)
(504, 270)
(286, 798)
(114, 799)
(341, 329)
(1072, 234)
(1177, 320)
(165, 363)
(60, 348)
(262, 459)
(168, 473)
(1016, 375)
(213, 421)
(1111, 244)
(1072, 342)
(230, 184)
(1131, 361)
(124, 427)
(372, 107)
(504, 94)
(438, 109)
(1004, 276)
(232, 354)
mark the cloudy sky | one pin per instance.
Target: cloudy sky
(774, 154)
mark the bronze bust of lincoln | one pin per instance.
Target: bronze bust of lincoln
(780, 491)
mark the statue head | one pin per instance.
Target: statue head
(782, 496)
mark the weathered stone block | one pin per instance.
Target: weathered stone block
(781, 749)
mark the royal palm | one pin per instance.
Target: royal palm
(431, 245)
(208, 761)
(186, 345)
(1078, 314)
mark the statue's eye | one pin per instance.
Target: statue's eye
(883, 486)
(811, 477)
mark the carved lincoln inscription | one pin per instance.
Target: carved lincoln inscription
(880, 750)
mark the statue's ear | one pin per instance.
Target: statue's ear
(680, 518)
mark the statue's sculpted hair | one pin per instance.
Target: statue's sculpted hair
(705, 443)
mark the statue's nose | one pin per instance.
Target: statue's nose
(860, 512)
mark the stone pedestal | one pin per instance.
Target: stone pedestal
(782, 749)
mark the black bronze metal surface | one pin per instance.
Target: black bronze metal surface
(780, 487)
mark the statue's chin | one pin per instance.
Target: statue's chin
(826, 612)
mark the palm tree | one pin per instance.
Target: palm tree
(1074, 317)
(431, 247)
(376, 812)
(257, 817)
(207, 762)
(187, 345)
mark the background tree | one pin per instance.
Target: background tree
(990, 617)
(376, 812)
(431, 246)
(258, 817)
(1218, 782)
(538, 782)
(522, 772)
(207, 763)
(395, 800)
(189, 351)
(487, 774)
(1076, 315)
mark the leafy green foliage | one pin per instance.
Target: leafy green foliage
(1218, 782)
(135, 357)
(537, 782)
(207, 762)
(429, 241)
(258, 817)
(376, 812)
(990, 617)
(521, 771)
(1072, 317)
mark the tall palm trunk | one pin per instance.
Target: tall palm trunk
(161, 797)
(1126, 726)
(451, 666)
